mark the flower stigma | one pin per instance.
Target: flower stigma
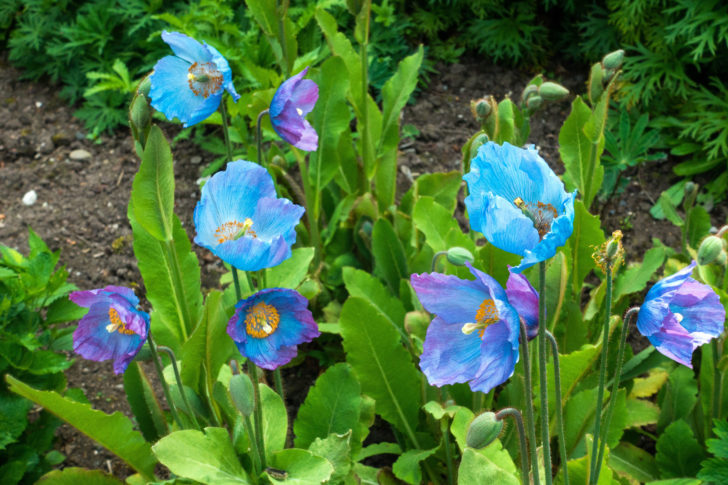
(117, 325)
(486, 316)
(542, 215)
(234, 230)
(261, 320)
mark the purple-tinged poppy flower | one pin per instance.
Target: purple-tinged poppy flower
(293, 100)
(189, 85)
(268, 326)
(518, 202)
(474, 336)
(680, 314)
(113, 328)
(240, 219)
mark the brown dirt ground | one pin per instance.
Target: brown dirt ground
(81, 206)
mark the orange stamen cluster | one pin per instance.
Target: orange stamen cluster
(261, 320)
(204, 79)
(117, 325)
(486, 316)
(541, 214)
(227, 231)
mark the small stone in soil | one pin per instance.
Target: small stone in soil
(30, 197)
(79, 154)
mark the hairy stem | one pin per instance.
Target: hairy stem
(518, 418)
(559, 406)
(529, 404)
(543, 376)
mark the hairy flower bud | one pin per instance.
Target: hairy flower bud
(613, 60)
(458, 256)
(483, 430)
(241, 391)
(710, 250)
(691, 193)
(480, 108)
(534, 102)
(596, 82)
(477, 143)
(551, 91)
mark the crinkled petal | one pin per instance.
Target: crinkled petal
(276, 217)
(253, 254)
(224, 68)
(171, 93)
(501, 222)
(449, 356)
(656, 305)
(305, 95)
(700, 308)
(674, 341)
(498, 357)
(87, 298)
(452, 299)
(284, 93)
(494, 288)
(524, 298)
(186, 47)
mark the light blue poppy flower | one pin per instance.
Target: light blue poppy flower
(113, 328)
(268, 326)
(293, 100)
(518, 203)
(240, 219)
(474, 336)
(189, 85)
(680, 314)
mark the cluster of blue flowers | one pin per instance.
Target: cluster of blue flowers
(239, 218)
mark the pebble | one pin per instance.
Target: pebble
(30, 197)
(79, 154)
(196, 160)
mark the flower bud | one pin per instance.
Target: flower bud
(550, 91)
(614, 245)
(140, 113)
(613, 60)
(596, 82)
(534, 102)
(416, 323)
(479, 140)
(691, 193)
(144, 86)
(458, 256)
(710, 250)
(484, 429)
(528, 91)
(241, 391)
(481, 108)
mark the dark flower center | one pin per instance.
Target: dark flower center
(261, 320)
(204, 79)
(542, 215)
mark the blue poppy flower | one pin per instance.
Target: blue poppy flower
(240, 219)
(113, 328)
(189, 85)
(518, 203)
(680, 314)
(474, 336)
(268, 326)
(293, 100)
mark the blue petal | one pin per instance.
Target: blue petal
(186, 47)
(674, 341)
(253, 254)
(502, 223)
(524, 298)
(656, 305)
(701, 310)
(496, 290)
(224, 68)
(276, 217)
(452, 299)
(499, 354)
(449, 356)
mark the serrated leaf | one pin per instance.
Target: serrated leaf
(381, 363)
(301, 467)
(114, 431)
(678, 452)
(206, 457)
(407, 466)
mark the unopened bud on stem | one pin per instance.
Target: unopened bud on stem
(483, 430)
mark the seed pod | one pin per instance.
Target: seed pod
(710, 250)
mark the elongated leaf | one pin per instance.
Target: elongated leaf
(395, 94)
(152, 193)
(381, 363)
(340, 45)
(390, 261)
(144, 403)
(114, 432)
(627, 459)
(636, 277)
(332, 406)
(363, 285)
(275, 420)
(78, 476)
(678, 398)
(587, 235)
(206, 457)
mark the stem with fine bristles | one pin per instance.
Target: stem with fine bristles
(529, 404)
(543, 376)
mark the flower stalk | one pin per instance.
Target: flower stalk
(175, 368)
(165, 386)
(542, 359)
(559, 406)
(518, 418)
(529, 404)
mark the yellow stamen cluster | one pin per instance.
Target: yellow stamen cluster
(486, 316)
(117, 325)
(261, 320)
(541, 214)
(610, 251)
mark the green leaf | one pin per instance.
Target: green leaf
(143, 403)
(579, 469)
(627, 459)
(437, 224)
(574, 367)
(331, 406)
(698, 225)
(291, 272)
(206, 457)
(152, 193)
(476, 469)
(675, 193)
(363, 285)
(301, 467)
(494, 261)
(587, 235)
(641, 413)
(577, 153)
(678, 398)
(443, 187)
(337, 450)
(669, 209)
(275, 420)
(638, 275)
(678, 452)
(76, 476)
(381, 363)
(395, 94)
(13, 418)
(407, 466)
(114, 432)
(390, 262)
(579, 415)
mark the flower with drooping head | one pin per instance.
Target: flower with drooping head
(680, 314)
(189, 85)
(293, 100)
(113, 328)
(268, 326)
(240, 219)
(518, 202)
(474, 336)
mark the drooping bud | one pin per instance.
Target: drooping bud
(534, 102)
(241, 392)
(551, 91)
(528, 91)
(613, 60)
(483, 430)
(691, 193)
(458, 256)
(710, 249)
(479, 140)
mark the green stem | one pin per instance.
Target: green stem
(436, 258)
(254, 445)
(602, 370)
(543, 376)
(445, 428)
(181, 388)
(364, 126)
(178, 284)
(717, 378)
(257, 413)
(279, 383)
(518, 418)
(165, 387)
(225, 131)
(594, 478)
(312, 208)
(559, 406)
(529, 404)
(259, 136)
